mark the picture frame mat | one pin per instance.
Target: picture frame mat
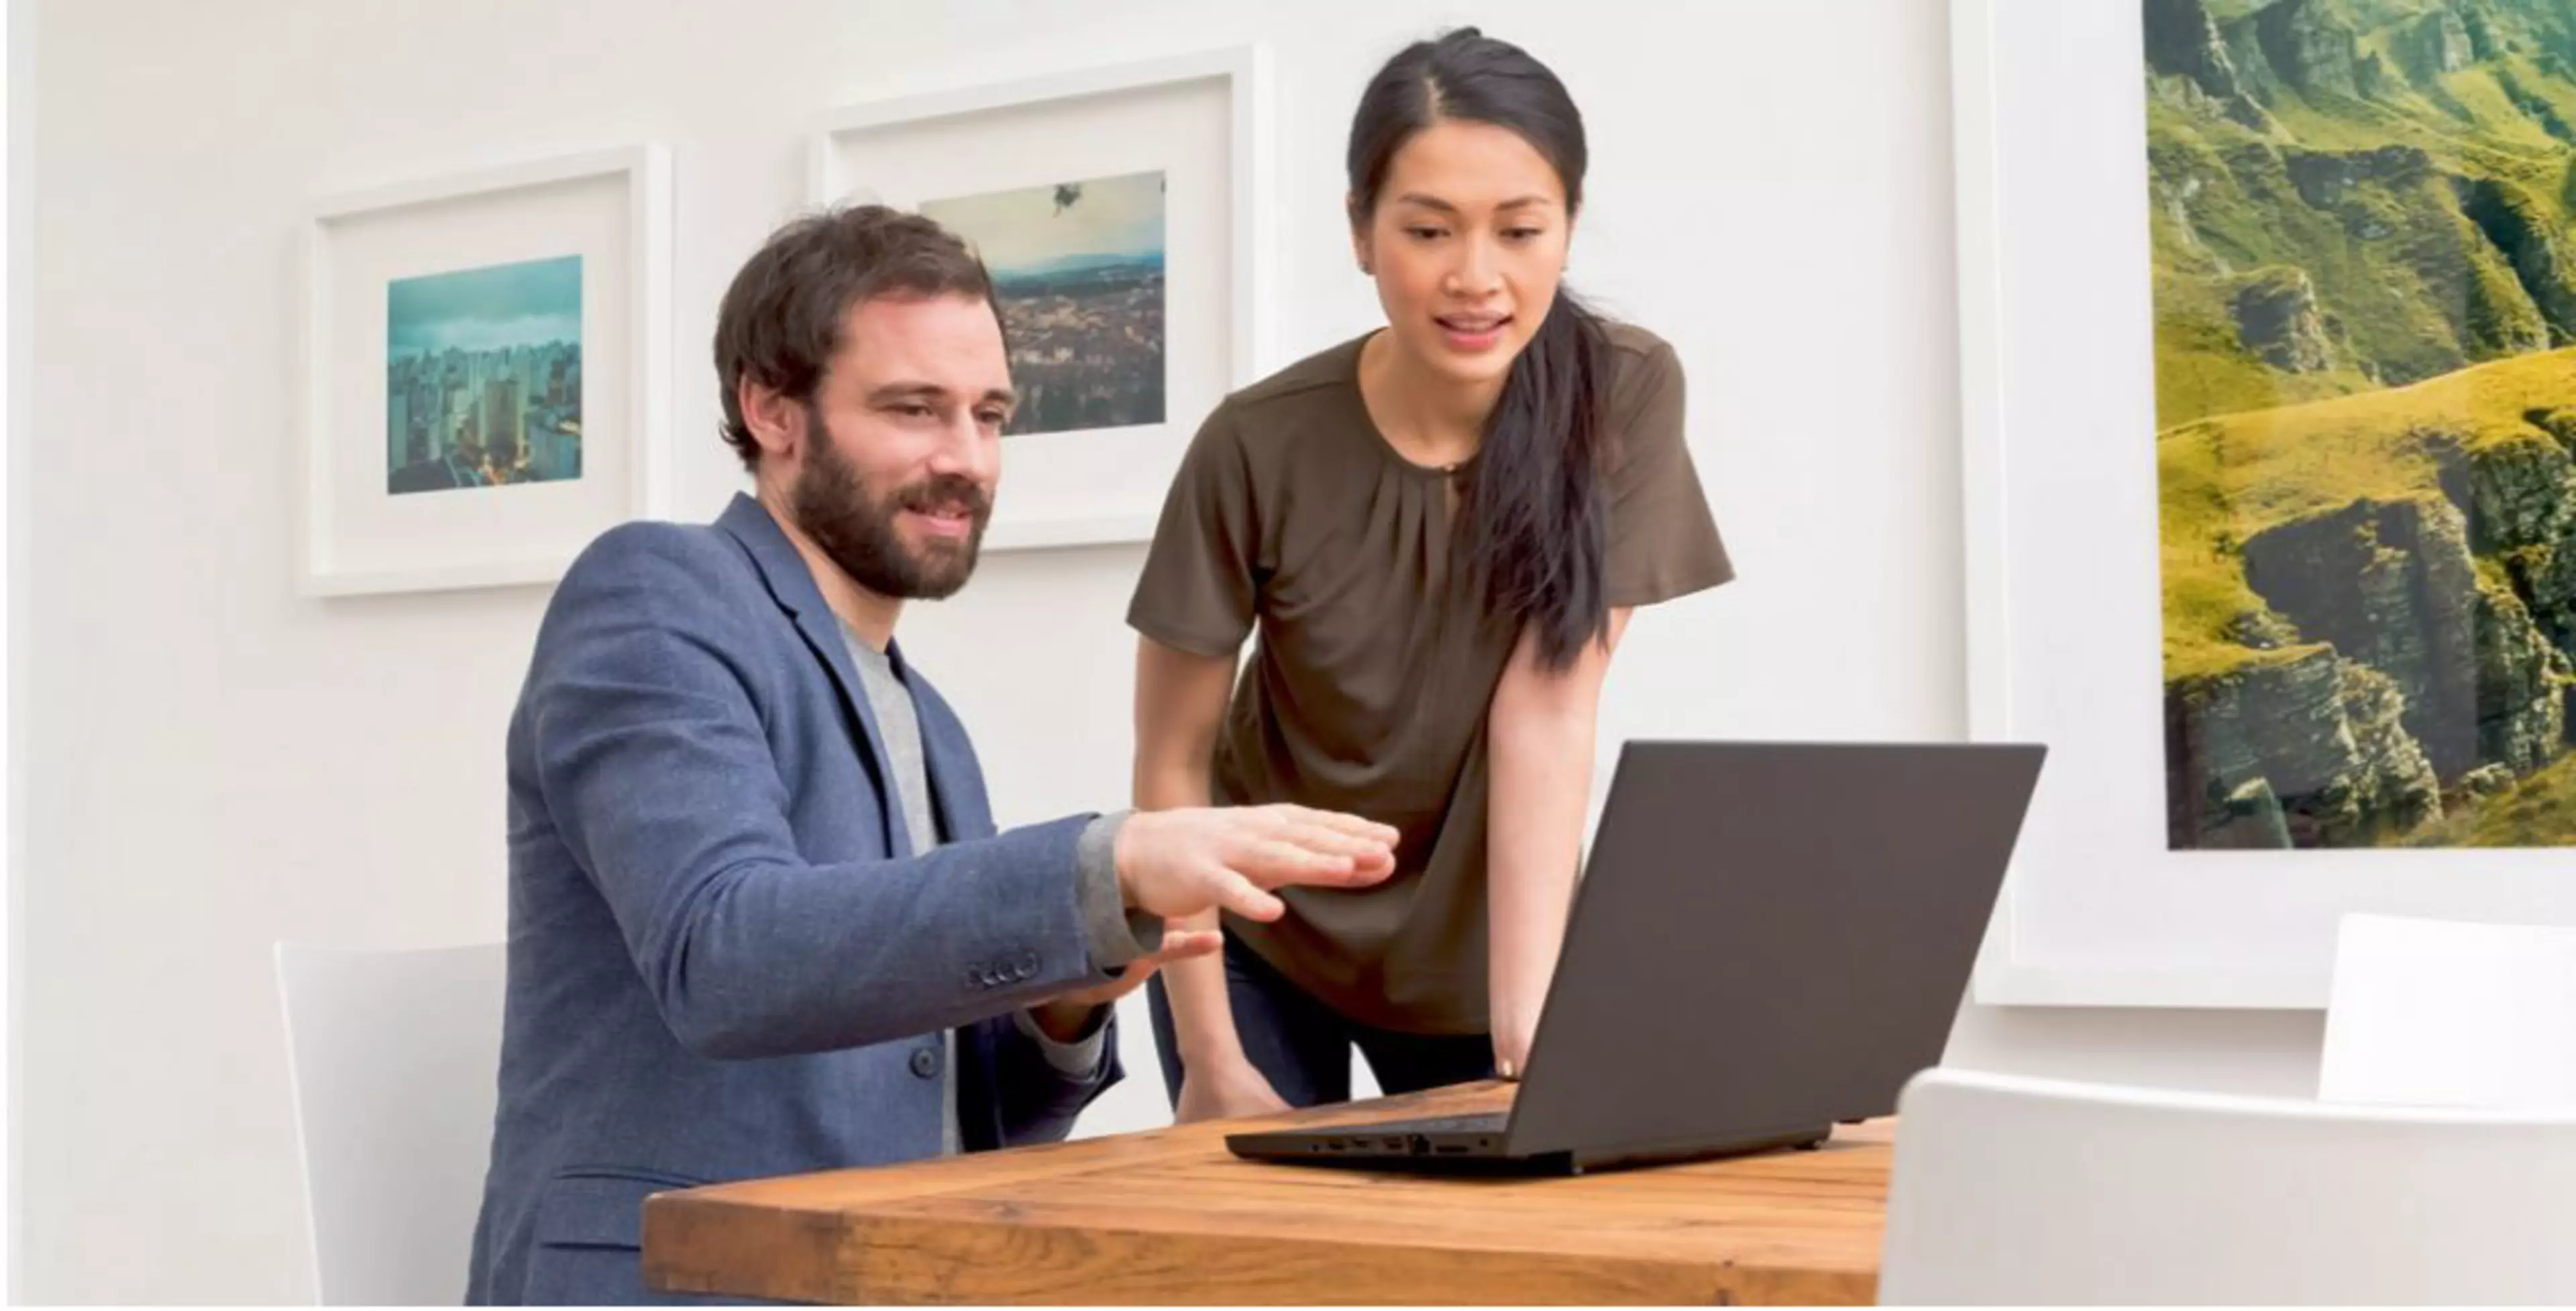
(1197, 118)
(608, 207)
(2064, 619)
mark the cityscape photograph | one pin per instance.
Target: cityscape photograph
(483, 377)
(1078, 268)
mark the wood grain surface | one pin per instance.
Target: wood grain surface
(1170, 1216)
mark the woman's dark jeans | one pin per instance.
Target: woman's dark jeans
(1304, 1047)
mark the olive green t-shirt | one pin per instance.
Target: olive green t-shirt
(1378, 654)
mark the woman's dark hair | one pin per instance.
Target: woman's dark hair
(780, 323)
(1533, 512)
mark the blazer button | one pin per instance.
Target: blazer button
(925, 1062)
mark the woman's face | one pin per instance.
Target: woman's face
(1467, 244)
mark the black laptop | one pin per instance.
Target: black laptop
(1770, 939)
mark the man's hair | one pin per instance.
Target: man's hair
(780, 323)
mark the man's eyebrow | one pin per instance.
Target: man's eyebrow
(909, 390)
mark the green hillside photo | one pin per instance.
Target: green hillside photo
(2365, 317)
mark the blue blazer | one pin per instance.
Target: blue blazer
(725, 959)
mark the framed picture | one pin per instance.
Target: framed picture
(2269, 403)
(485, 362)
(1124, 214)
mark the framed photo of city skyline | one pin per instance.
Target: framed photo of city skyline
(483, 377)
(1123, 212)
(1078, 268)
(486, 360)
(2268, 399)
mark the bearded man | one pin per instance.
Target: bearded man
(760, 922)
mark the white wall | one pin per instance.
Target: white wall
(14, 523)
(215, 764)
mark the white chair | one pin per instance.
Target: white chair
(2013, 1191)
(2444, 1013)
(393, 1056)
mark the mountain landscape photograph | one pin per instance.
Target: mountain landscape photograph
(2365, 328)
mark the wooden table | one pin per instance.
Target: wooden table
(1170, 1216)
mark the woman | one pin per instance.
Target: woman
(1439, 529)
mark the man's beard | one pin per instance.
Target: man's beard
(857, 529)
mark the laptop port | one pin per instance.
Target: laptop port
(1453, 1149)
(1419, 1145)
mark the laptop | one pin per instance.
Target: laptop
(1770, 939)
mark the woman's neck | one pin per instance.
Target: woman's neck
(1430, 420)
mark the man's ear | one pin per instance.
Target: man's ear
(776, 422)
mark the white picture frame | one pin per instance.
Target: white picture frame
(1202, 118)
(2064, 624)
(355, 533)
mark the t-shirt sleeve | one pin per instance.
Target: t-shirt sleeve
(1198, 589)
(1663, 539)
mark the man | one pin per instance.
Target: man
(760, 922)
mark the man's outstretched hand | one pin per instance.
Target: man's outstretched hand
(1182, 863)
(1179, 863)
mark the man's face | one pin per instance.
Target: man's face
(902, 445)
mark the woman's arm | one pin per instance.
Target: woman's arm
(1180, 704)
(1540, 731)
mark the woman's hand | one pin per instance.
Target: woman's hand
(1225, 1089)
(1512, 1038)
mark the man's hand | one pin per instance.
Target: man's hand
(1179, 863)
(1064, 1016)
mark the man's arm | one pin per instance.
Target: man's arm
(1042, 1085)
(659, 777)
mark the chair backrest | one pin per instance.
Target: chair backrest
(2011, 1190)
(2444, 1013)
(393, 1057)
